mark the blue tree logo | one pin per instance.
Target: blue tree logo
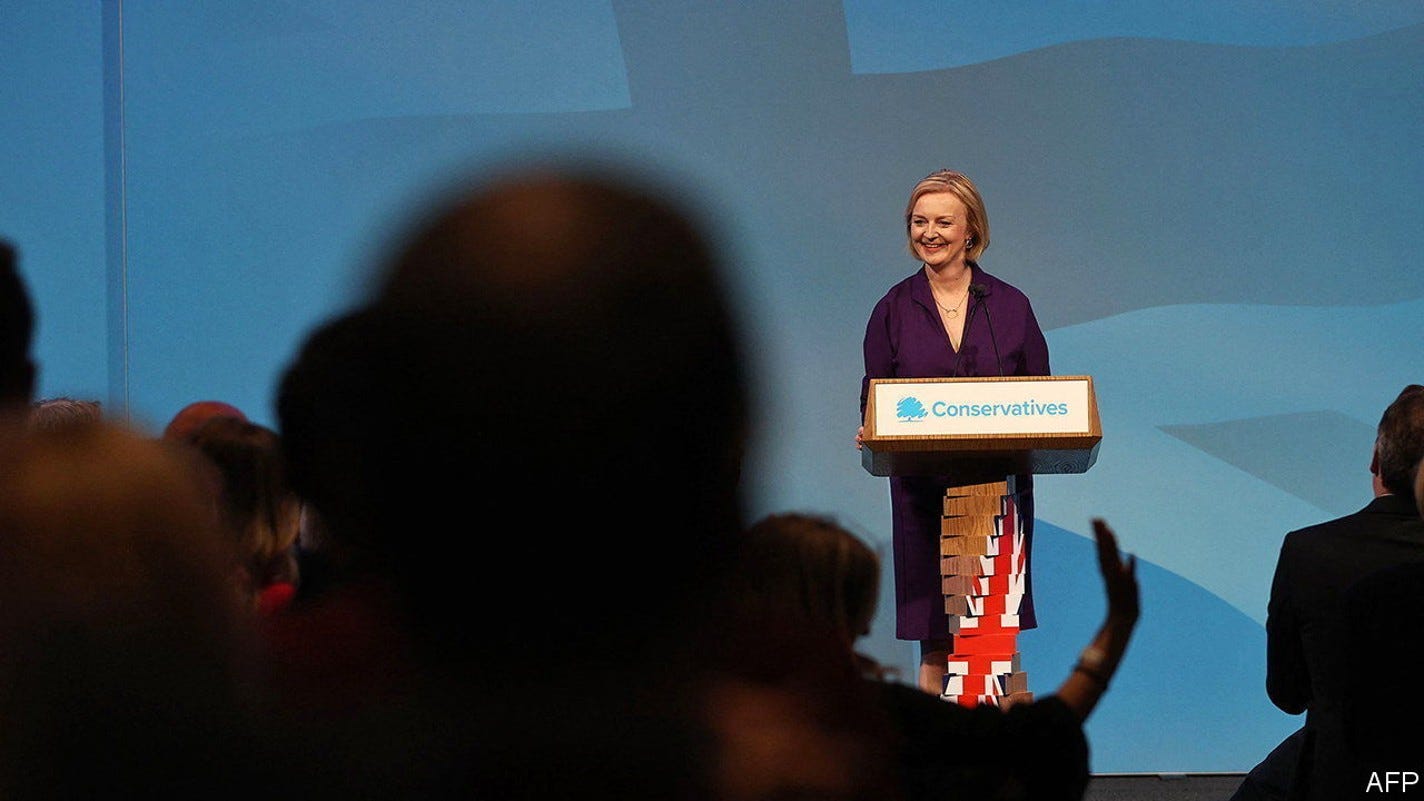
(909, 409)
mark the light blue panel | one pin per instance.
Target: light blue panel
(52, 185)
(239, 66)
(1189, 695)
(914, 35)
(270, 144)
(1199, 511)
(1284, 450)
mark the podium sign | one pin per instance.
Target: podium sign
(1005, 425)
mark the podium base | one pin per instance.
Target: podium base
(982, 565)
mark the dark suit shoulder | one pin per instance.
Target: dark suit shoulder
(1385, 514)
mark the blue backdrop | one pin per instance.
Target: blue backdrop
(1213, 206)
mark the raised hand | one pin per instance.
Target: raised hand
(1119, 575)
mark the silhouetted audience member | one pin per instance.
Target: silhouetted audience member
(312, 561)
(510, 378)
(526, 447)
(1381, 717)
(811, 572)
(1308, 659)
(349, 648)
(1387, 639)
(17, 323)
(187, 419)
(257, 506)
(124, 660)
(49, 413)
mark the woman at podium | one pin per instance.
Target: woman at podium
(949, 318)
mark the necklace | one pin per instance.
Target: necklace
(952, 312)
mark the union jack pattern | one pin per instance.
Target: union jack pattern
(982, 562)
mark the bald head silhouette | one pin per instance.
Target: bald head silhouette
(190, 418)
(547, 370)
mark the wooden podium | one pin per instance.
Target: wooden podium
(982, 432)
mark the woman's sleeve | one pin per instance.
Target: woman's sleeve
(1035, 347)
(878, 351)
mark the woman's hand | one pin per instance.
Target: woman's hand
(859, 432)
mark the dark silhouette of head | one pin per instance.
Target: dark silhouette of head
(1399, 444)
(124, 648)
(256, 505)
(49, 413)
(191, 417)
(17, 323)
(546, 374)
(811, 571)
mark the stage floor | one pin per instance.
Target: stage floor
(1162, 786)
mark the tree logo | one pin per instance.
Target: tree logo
(910, 410)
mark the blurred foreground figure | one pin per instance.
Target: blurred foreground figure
(525, 448)
(812, 573)
(123, 669)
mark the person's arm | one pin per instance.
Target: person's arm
(1035, 347)
(1093, 673)
(878, 353)
(1287, 676)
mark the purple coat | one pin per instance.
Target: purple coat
(905, 339)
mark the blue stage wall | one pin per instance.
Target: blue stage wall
(1213, 207)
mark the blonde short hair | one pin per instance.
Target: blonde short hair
(959, 185)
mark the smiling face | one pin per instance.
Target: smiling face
(939, 229)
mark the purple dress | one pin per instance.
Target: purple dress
(905, 339)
